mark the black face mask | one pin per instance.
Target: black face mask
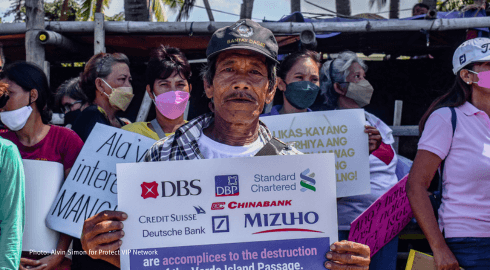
(301, 94)
(71, 116)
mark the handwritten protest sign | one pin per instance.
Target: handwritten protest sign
(384, 219)
(340, 132)
(91, 186)
(271, 212)
(43, 181)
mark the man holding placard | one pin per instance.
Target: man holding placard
(239, 79)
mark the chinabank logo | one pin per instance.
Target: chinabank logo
(226, 185)
(307, 181)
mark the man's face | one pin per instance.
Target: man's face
(240, 86)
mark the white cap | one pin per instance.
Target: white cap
(471, 51)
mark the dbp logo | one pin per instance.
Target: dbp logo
(181, 188)
(226, 185)
(149, 190)
(307, 181)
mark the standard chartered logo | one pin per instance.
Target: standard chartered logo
(307, 181)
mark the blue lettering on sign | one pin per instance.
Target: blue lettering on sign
(280, 219)
(226, 185)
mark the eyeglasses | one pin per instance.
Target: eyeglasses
(67, 107)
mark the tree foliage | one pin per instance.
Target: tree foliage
(453, 4)
(88, 8)
(184, 7)
(78, 10)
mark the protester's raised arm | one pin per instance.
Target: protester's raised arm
(102, 234)
(423, 170)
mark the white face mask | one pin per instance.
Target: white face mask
(15, 120)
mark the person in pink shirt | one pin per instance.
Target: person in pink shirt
(462, 237)
(27, 114)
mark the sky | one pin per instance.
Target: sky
(269, 9)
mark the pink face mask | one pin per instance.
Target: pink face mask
(172, 104)
(483, 78)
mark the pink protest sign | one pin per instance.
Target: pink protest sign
(384, 219)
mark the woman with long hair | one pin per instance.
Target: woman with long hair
(461, 236)
(27, 114)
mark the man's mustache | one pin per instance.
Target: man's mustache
(240, 95)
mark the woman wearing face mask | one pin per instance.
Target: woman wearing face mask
(106, 81)
(71, 100)
(299, 80)
(26, 115)
(462, 237)
(344, 86)
(167, 76)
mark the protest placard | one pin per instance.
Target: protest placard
(43, 181)
(268, 212)
(340, 132)
(91, 186)
(384, 219)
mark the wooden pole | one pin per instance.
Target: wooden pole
(208, 10)
(397, 121)
(47, 71)
(99, 34)
(34, 23)
(144, 108)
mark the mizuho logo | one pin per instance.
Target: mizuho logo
(307, 181)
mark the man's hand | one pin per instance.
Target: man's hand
(374, 138)
(102, 233)
(347, 255)
(30, 264)
(52, 261)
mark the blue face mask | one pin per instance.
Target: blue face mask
(301, 94)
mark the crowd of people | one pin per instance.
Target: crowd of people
(240, 78)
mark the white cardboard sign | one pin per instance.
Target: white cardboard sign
(43, 181)
(340, 132)
(91, 186)
(235, 213)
